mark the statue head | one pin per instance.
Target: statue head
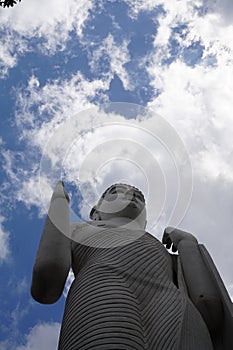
(121, 201)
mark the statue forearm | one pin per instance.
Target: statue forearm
(200, 286)
(53, 259)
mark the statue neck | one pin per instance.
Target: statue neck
(122, 221)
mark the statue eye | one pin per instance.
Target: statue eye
(139, 196)
(112, 190)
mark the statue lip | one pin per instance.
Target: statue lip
(133, 205)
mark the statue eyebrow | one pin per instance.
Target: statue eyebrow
(123, 187)
(112, 189)
(133, 190)
(140, 195)
(115, 188)
(137, 193)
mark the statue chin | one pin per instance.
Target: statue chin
(131, 212)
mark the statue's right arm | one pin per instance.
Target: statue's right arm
(53, 259)
(201, 288)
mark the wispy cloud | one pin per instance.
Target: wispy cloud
(117, 54)
(37, 118)
(41, 336)
(4, 241)
(136, 6)
(44, 26)
(69, 281)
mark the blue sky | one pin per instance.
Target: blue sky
(60, 61)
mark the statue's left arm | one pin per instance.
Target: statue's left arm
(201, 288)
(53, 259)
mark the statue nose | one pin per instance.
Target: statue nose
(131, 197)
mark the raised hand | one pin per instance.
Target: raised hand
(173, 236)
(53, 259)
(60, 191)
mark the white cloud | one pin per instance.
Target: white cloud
(58, 138)
(222, 7)
(186, 9)
(51, 22)
(143, 5)
(45, 18)
(7, 59)
(55, 102)
(42, 336)
(17, 315)
(117, 54)
(22, 286)
(209, 29)
(30, 192)
(69, 281)
(8, 163)
(197, 102)
(4, 241)
(40, 113)
(17, 166)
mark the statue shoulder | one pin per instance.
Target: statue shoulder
(78, 225)
(81, 231)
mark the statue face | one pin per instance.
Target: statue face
(124, 193)
(121, 200)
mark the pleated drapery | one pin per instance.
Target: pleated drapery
(124, 297)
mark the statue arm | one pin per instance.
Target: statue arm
(201, 288)
(53, 259)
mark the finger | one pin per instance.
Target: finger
(168, 243)
(66, 194)
(59, 183)
(165, 237)
(174, 249)
(169, 230)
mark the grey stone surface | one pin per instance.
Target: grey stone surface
(129, 292)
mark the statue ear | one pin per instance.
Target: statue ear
(94, 213)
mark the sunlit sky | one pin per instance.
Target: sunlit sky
(59, 61)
